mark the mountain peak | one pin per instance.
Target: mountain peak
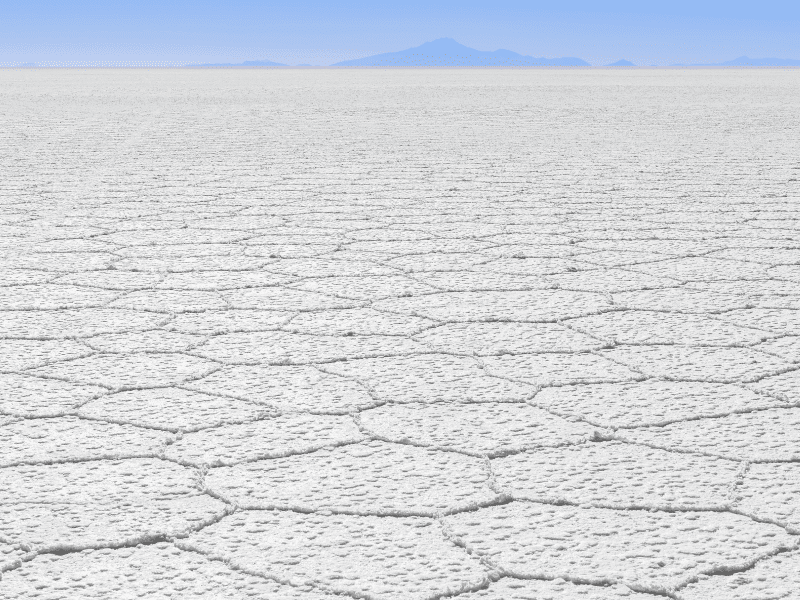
(445, 52)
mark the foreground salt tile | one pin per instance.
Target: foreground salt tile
(616, 475)
(128, 479)
(226, 279)
(509, 588)
(618, 258)
(279, 236)
(366, 287)
(643, 403)
(189, 264)
(65, 439)
(171, 301)
(607, 281)
(273, 437)
(781, 321)
(287, 388)
(357, 321)
(521, 264)
(785, 386)
(166, 237)
(52, 296)
(768, 256)
(340, 266)
(772, 492)
(478, 428)
(429, 263)
(11, 555)
(526, 250)
(754, 289)
(535, 305)
(777, 301)
(723, 365)
(178, 250)
(385, 557)
(683, 299)
(699, 268)
(171, 409)
(282, 347)
(649, 551)
(431, 378)
(156, 571)
(790, 272)
(281, 298)
(762, 436)
(228, 321)
(61, 262)
(27, 396)
(506, 338)
(668, 247)
(369, 478)
(141, 370)
(21, 277)
(390, 233)
(656, 327)
(74, 506)
(111, 279)
(511, 234)
(558, 368)
(423, 247)
(787, 347)
(290, 251)
(72, 323)
(467, 281)
(154, 340)
(246, 222)
(18, 355)
(773, 578)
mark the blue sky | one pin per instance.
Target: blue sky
(298, 31)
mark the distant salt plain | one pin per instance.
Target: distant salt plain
(483, 334)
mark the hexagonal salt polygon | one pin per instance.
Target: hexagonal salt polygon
(643, 403)
(287, 388)
(616, 475)
(478, 428)
(272, 437)
(154, 571)
(660, 551)
(387, 557)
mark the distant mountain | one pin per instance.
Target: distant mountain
(744, 61)
(622, 63)
(448, 52)
(247, 63)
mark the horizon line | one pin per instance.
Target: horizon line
(234, 66)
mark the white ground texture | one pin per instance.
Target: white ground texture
(400, 335)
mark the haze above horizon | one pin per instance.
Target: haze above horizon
(311, 32)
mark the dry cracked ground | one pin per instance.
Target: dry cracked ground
(400, 335)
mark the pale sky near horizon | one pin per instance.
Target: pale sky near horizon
(164, 32)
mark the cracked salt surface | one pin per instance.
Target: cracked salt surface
(489, 335)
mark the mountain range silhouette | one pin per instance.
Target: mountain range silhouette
(247, 63)
(744, 61)
(448, 52)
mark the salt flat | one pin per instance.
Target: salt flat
(400, 335)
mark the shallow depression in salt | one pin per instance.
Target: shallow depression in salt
(400, 335)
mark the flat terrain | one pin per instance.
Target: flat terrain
(400, 335)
